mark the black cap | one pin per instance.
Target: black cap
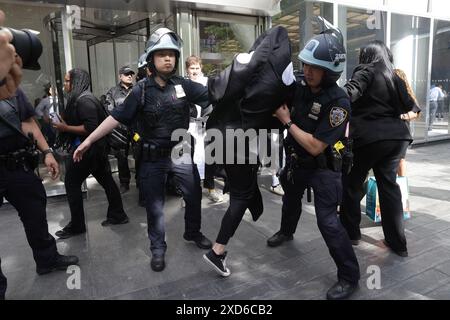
(126, 70)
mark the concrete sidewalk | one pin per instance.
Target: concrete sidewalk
(115, 261)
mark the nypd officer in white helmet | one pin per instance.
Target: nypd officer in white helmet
(317, 120)
(161, 105)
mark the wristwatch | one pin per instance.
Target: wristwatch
(49, 150)
(288, 125)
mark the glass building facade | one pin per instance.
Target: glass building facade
(110, 34)
(417, 32)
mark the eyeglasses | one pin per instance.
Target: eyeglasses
(128, 74)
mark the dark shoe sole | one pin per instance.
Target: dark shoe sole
(198, 244)
(107, 223)
(49, 270)
(69, 235)
(344, 297)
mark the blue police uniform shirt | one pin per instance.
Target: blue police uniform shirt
(324, 115)
(165, 108)
(26, 111)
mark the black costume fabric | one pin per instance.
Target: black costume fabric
(245, 96)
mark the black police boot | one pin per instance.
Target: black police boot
(341, 290)
(200, 240)
(278, 238)
(158, 263)
(61, 263)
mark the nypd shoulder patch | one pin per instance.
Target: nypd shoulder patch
(337, 116)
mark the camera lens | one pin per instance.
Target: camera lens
(28, 47)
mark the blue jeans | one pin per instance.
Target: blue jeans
(152, 180)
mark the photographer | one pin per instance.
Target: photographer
(18, 183)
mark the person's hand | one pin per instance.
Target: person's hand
(52, 165)
(60, 126)
(283, 114)
(82, 148)
(12, 80)
(10, 63)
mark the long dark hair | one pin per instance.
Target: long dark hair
(79, 82)
(376, 53)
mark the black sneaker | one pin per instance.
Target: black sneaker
(111, 221)
(61, 263)
(68, 232)
(218, 262)
(201, 241)
(341, 290)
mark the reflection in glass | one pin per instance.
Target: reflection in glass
(360, 27)
(220, 41)
(440, 72)
(410, 38)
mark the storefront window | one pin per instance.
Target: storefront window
(360, 27)
(440, 74)
(410, 38)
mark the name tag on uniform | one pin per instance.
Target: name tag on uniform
(311, 116)
(179, 91)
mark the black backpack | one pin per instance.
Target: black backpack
(118, 138)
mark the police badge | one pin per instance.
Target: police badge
(315, 109)
(337, 116)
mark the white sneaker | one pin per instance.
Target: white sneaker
(278, 189)
(214, 196)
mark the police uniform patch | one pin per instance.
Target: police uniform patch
(337, 116)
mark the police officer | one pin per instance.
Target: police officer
(162, 106)
(320, 112)
(22, 188)
(115, 97)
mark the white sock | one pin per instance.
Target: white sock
(275, 180)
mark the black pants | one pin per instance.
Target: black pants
(244, 193)
(25, 192)
(94, 162)
(327, 188)
(3, 283)
(122, 165)
(383, 157)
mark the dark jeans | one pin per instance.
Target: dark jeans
(244, 194)
(383, 157)
(153, 176)
(25, 192)
(327, 186)
(122, 165)
(94, 162)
